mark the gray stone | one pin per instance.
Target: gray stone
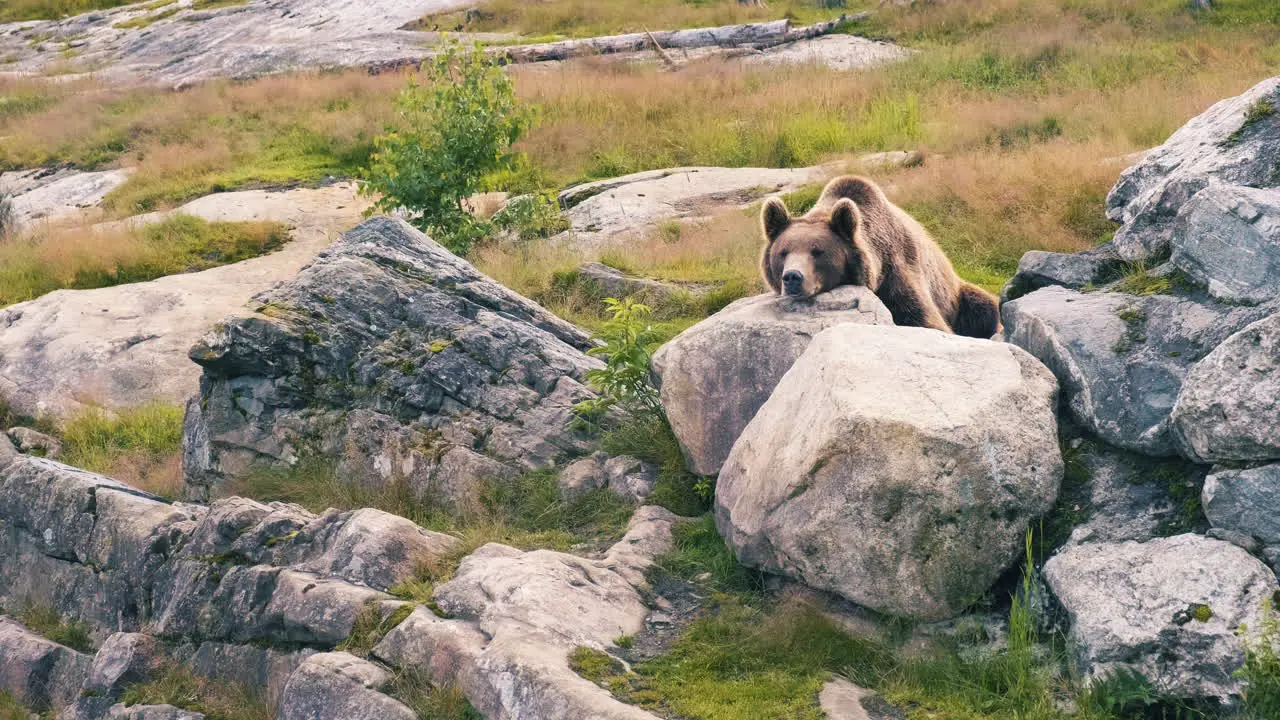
(1133, 606)
(715, 375)
(1227, 237)
(1126, 496)
(124, 659)
(842, 700)
(615, 283)
(150, 712)
(47, 194)
(40, 673)
(1229, 407)
(1039, 269)
(630, 478)
(582, 476)
(633, 205)
(1121, 359)
(376, 549)
(34, 442)
(8, 453)
(339, 686)
(1219, 145)
(896, 467)
(400, 359)
(1245, 501)
(258, 667)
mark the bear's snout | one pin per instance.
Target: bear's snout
(793, 283)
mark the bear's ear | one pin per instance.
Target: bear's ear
(774, 218)
(845, 219)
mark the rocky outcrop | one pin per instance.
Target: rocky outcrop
(1229, 406)
(716, 375)
(1227, 238)
(1121, 359)
(40, 673)
(1116, 495)
(48, 194)
(897, 467)
(1245, 501)
(126, 345)
(340, 685)
(515, 617)
(398, 359)
(1235, 142)
(629, 478)
(632, 205)
(1168, 609)
(238, 571)
(1039, 269)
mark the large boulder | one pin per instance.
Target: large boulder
(1168, 609)
(1237, 141)
(1039, 269)
(1121, 359)
(399, 359)
(1227, 238)
(1229, 406)
(715, 375)
(1246, 501)
(897, 467)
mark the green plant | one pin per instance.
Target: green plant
(370, 627)
(8, 223)
(177, 685)
(11, 709)
(1261, 670)
(531, 216)
(1258, 110)
(430, 702)
(457, 124)
(623, 382)
(47, 622)
(135, 443)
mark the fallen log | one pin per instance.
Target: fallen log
(757, 36)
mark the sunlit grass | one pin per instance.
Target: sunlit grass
(140, 446)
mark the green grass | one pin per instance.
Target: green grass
(75, 258)
(11, 709)
(16, 10)
(429, 702)
(370, 627)
(47, 622)
(526, 511)
(176, 685)
(142, 21)
(135, 445)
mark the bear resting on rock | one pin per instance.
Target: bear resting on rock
(855, 236)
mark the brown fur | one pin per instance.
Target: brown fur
(855, 236)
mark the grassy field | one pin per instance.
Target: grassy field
(47, 259)
(15, 10)
(1025, 109)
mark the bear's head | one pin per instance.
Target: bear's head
(813, 253)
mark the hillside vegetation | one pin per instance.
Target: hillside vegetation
(1027, 108)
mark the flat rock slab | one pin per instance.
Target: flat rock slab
(126, 345)
(57, 194)
(256, 38)
(631, 205)
(839, 52)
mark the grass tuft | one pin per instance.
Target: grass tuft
(177, 685)
(140, 446)
(47, 622)
(55, 258)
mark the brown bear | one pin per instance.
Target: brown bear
(855, 236)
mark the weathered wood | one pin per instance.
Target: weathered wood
(751, 35)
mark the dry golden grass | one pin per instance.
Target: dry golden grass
(53, 257)
(588, 18)
(140, 446)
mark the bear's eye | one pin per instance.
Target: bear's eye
(817, 252)
(784, 253)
